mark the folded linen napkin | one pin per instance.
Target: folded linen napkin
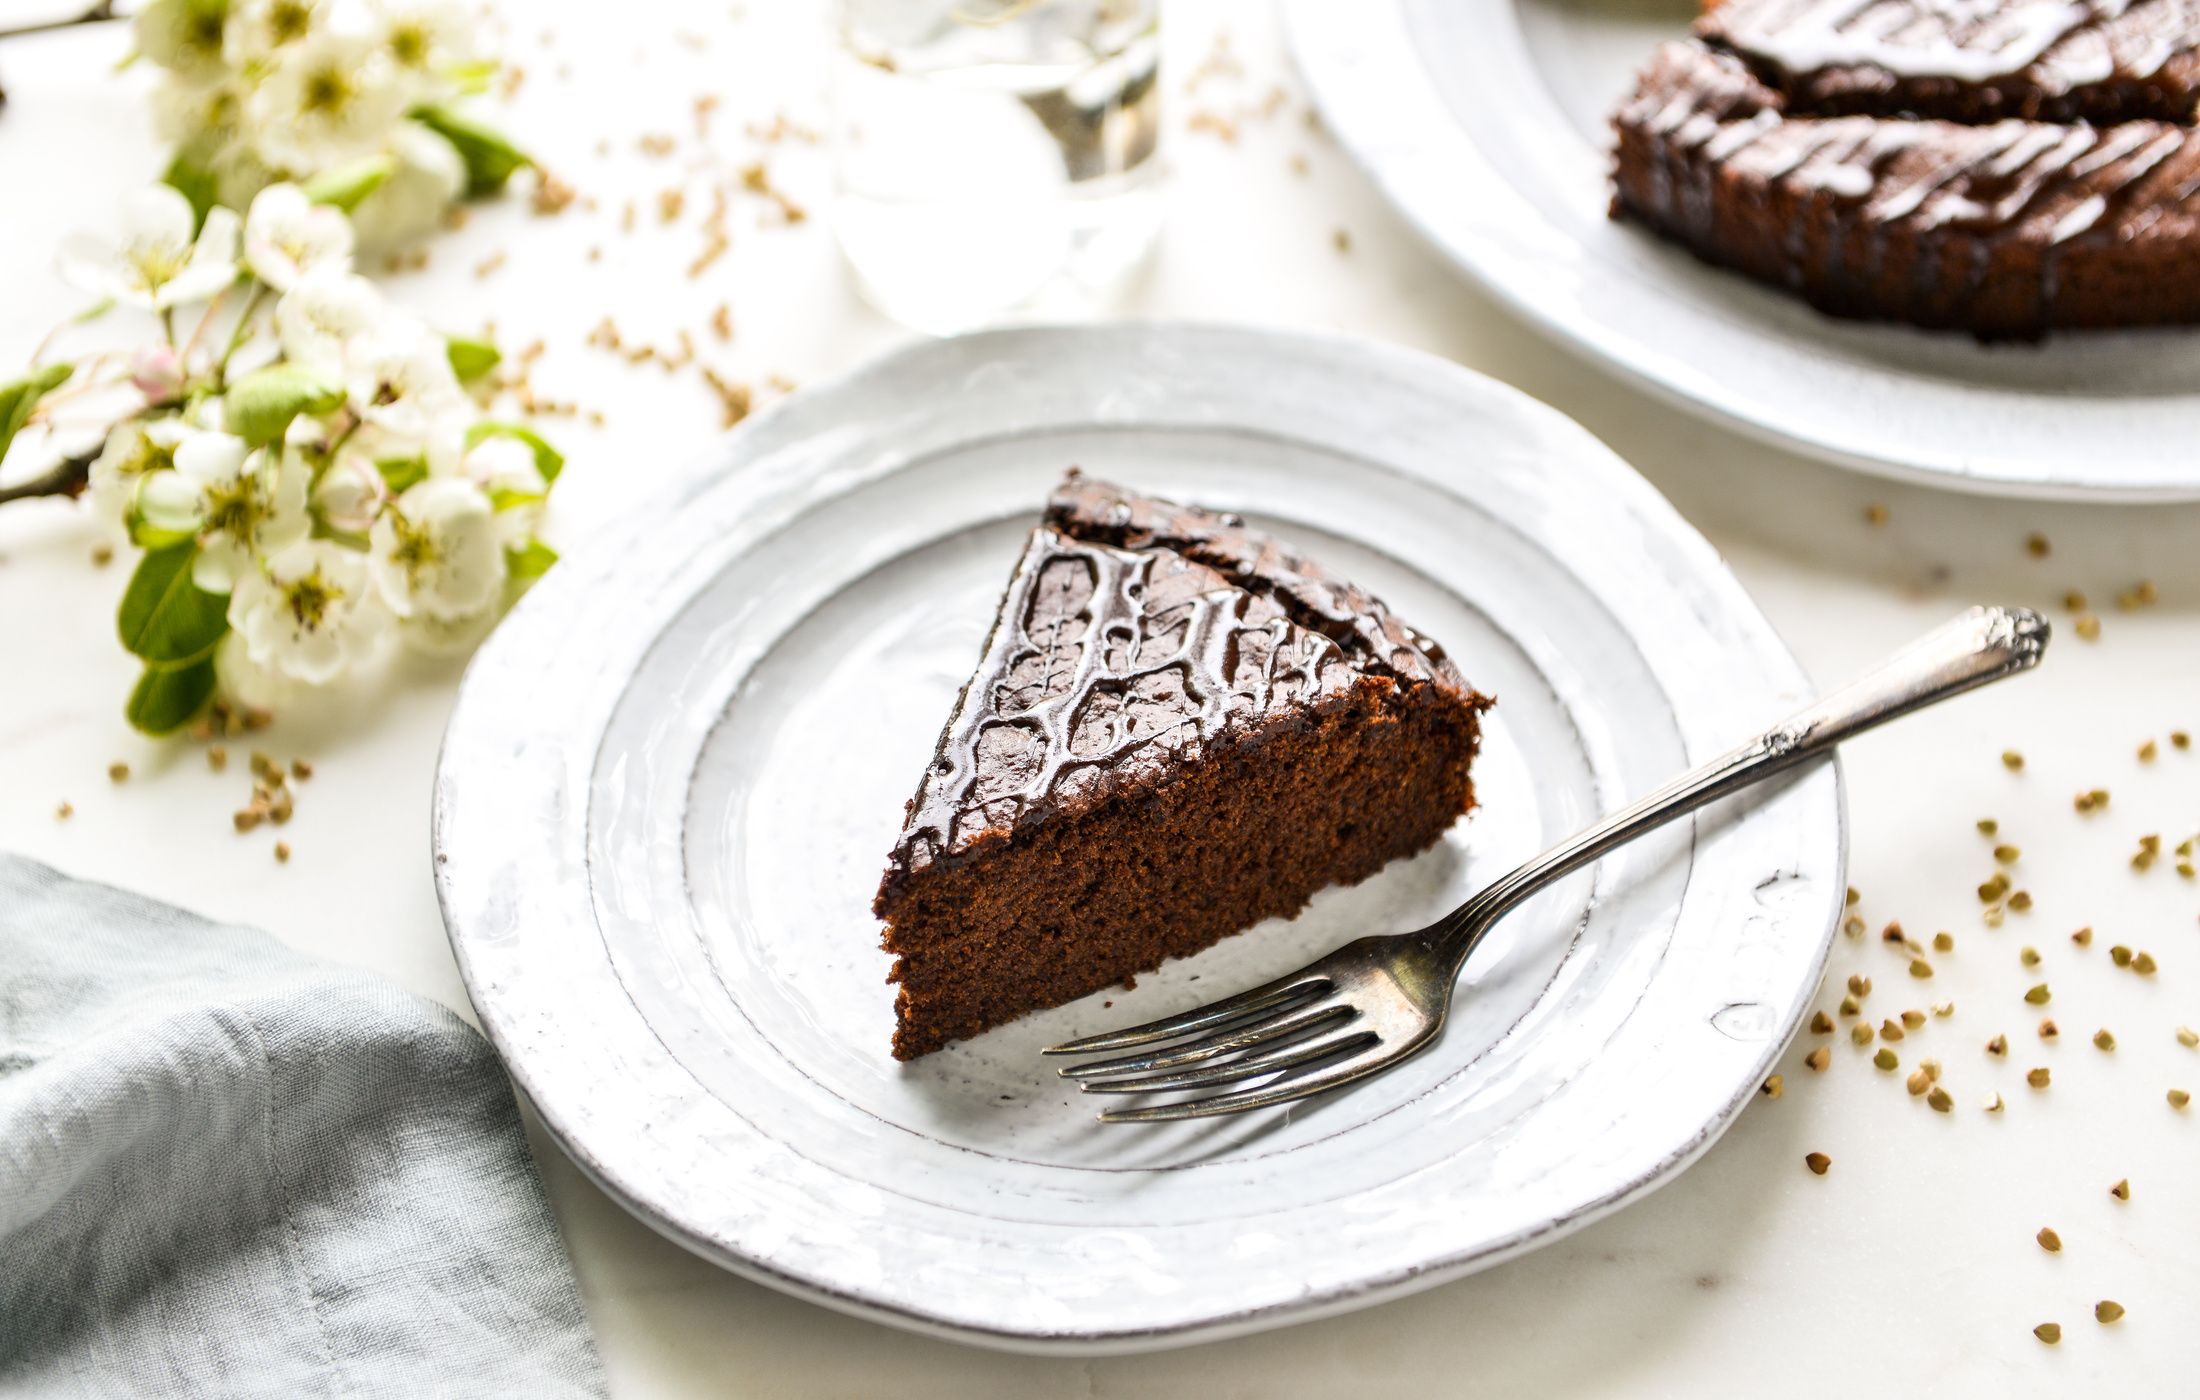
(227, 1169)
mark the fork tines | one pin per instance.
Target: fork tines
(1288, 1028)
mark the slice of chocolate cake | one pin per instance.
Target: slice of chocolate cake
(2007, 229)
(1180, 727)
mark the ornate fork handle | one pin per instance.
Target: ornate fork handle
(1982, 645)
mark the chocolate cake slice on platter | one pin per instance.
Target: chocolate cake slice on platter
(1180, 726)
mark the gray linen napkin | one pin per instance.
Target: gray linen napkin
(227, 1169)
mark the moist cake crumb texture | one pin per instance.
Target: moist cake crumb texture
(1180, 727)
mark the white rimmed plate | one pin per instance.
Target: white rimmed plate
(1484, 122)
(672, 775)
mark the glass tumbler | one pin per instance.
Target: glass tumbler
(995, 158)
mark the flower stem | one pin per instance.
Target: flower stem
(168, 325)
(236, 336)
(67, 478)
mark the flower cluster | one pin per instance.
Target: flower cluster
(309, 470)
(255, 93)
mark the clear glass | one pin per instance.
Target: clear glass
(996, 158)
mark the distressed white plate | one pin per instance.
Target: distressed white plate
(1484, 121)
(672, 776)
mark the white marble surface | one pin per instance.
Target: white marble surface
(1910, 1265)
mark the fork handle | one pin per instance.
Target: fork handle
(1981, 646)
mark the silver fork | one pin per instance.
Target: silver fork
(1378, 1001)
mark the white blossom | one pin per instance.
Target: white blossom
(429, 178)
(349, 493)
(308, 612)
(199, 114)
(135, 449)
(287, 237)
(324, 315)
(504, 469)
(435, 551)
(240, 173)
(240, 503)
(246, 682)
(259, 29)
(432, 636)
(159, 263)
(184, 36)
(326, 100)
(425, 39)
(400, 380)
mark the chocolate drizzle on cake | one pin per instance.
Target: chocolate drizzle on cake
(1179, 726)
(1784, 142)
(1969, 60)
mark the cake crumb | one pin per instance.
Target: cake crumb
(63, 812)
(1818, 1162)
(282, 852)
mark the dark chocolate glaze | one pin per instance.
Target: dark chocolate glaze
(2006, 229)
(1137, 635)
(2100, 61)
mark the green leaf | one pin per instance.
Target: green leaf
(260, 407)
(166, 619)
(195, 181)
(531, 560)
(151, 537)
(165, 698)
(504, 498)
(490, 159)
(472, 79)
(18, 397)
(471, 360)
(548, 460)
(347, 185)
(401, 472)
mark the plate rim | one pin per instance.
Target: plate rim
(714, 463)
(1374, 133)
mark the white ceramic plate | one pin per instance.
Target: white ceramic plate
(672, 777)
(1484, 121)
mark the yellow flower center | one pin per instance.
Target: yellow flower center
(288, 20)
(147, 456)
(327, 92)
(158, 265)
(310, 598)
(233, 508)
(416, 551)
(409, 42)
